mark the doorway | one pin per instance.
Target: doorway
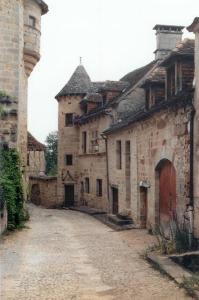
(115, 206)
(35, 196)
(167, 192)
(143, 207)
(69, 195)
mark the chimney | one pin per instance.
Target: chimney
(167, 36)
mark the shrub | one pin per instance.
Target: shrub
(176, 239)
(12, 187)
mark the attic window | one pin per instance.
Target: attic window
(32, 21)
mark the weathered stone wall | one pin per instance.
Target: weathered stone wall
(163, 136)
(46, 191)
(68, 143)
(16, 64)
(93, 165)
(36, 163)
(196, 136)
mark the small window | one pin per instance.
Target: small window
(69, 160)
(28, 159)
(87, 185)
(119, 155)
(32, 21)
(84, 141)
(68, 120)
(99, 187)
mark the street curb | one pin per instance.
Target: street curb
(168, 267)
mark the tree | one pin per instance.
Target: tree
(51, 153)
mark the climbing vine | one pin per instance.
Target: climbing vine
(11, 185)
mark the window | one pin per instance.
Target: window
(84, 141)
(99, 187)
(68, 120)
(119, 155)
(178, 77)
(87, 185)
(32, 21)
(69, 159)
(28, 159)
(94, 142)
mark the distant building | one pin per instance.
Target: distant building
(35, 157)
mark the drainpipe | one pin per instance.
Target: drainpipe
(190, 206)
(107, 171)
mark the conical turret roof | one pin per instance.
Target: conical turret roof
(79, 83)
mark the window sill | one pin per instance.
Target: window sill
(92, 154)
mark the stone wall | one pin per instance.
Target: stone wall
(43, 191)
(93, 164)
(36, 163)
(19, 52)
(163, 136)
(68, 143)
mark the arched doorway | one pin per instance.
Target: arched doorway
(167, 191)
(35, 194)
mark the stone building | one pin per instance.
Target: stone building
(194, 27)
(20, 23)
(149, 151)
(84, 113)
(126, 147)
(35, 157)
(20, 31)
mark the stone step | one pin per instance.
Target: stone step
(119, 221)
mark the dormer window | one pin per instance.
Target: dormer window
(174, 79)
(32, 21)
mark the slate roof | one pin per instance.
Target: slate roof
(43, 5)
(79, 83)
(116, 86)
(184, 48)
(34, 144)
(158, 75)
(93, 97)
(182, 99)
(135, 76)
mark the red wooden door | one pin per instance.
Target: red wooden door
(167, 192)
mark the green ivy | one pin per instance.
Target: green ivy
(11, 183)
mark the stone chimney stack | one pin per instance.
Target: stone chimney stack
(167, 36)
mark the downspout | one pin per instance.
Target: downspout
(107, 172)
(190, 206)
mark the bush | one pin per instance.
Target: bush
(12, 187)
(174, 240)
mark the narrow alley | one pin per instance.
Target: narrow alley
(69, 255)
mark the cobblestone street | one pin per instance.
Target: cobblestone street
(69, 255)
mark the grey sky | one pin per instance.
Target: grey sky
(113, 37)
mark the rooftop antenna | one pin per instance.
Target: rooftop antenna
(80, 60)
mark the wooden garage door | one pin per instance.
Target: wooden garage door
(167, 190)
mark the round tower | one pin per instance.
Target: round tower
(68, 140)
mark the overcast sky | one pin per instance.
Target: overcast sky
(113, 37)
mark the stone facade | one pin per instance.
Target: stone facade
(36, 157)
(81, 140)
(20, 23)
(195, 28)
(161, 137)
(43, 191)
